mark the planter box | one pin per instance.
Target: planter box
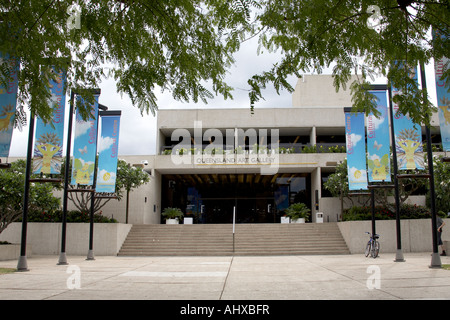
(416, 235)
(45, 237)
(299, 220)
(172, 221)
(12, 251)
(285, 220)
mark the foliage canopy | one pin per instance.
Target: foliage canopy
(181, 45)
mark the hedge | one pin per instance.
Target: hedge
(72, 216)
(407, 211)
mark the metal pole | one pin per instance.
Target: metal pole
(234, 223)
(90, 255)
(372, 194)
(62, 256)
(22, 264)
(435, 258)
(399, 253)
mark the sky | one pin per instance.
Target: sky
(138, 132)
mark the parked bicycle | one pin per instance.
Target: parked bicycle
(373, 246)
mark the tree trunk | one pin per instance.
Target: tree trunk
(128, 201)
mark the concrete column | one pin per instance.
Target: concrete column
(316, 178)
(312, 136)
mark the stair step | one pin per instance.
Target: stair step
(249, 239)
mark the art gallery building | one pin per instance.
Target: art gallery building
(210, 162)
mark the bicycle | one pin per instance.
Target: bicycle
(373, 246)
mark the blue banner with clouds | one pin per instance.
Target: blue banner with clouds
(8, 100)
(356, 151)
(85, 147)
(443, 100)
(107, 158)
(378, 143)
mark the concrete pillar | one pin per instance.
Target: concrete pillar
(312, 136)
(316, 178)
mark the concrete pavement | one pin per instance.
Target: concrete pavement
(228, 278)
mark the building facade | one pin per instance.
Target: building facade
(213, 162)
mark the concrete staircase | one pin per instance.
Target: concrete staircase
(249, 239)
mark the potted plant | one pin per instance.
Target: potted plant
(172, 215)
(298, 212)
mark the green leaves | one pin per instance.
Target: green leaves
(129, 177)
(317, 34)
(12, 183)
(151, 45)
(181, 46)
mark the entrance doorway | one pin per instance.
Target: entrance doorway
(248, 210)
(210, 198)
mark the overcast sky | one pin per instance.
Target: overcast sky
(138, 133)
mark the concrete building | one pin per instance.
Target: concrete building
(210, 161)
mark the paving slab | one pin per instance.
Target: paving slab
(238, 278)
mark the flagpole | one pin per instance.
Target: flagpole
(62, 256)
(382, 87)
(22, 264)
(90, 255)
(435, 258)
(399, 253)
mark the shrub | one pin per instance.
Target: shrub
(173, 213)
(298, 210)
(407, 211)
(72, 216)
(365, 213)
(413, 211)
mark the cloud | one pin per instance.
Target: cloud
(354, 138)
(357, 175)
(81, 128)
(377, 122)
(106, 177)
(105, 143)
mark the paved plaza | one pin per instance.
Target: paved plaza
(334, 277)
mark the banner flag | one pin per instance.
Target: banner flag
(107, 158)
(356, 151)
(85, 147)
(443, 100)
(8, 101)
(48, 148)
(378, 143)
(408, 136)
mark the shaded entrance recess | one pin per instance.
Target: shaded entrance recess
(210, 198)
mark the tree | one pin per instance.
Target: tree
(128, 178)
(337, 184)
(441, 172)
(315, 34)
(179, 45)
(12, 182)
(145, 45)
